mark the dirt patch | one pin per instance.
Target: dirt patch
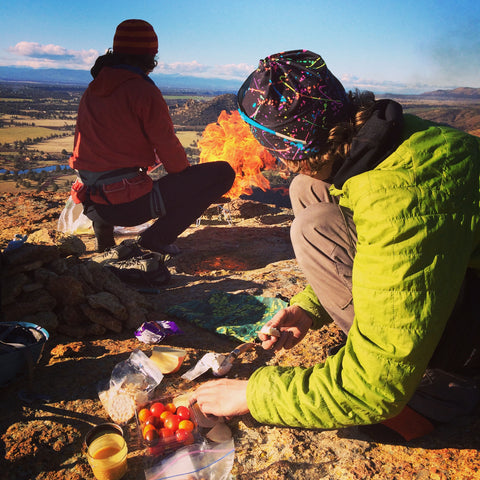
(42, 439)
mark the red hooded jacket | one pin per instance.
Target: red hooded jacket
(123, 122)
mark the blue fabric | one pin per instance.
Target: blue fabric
(236, 315)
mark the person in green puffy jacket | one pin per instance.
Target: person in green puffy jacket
(387, 233)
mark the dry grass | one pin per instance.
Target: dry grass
(12, 134)
(54, 145)
(49, 122)
(61, 180)
(187, 137)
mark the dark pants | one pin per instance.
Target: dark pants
(324, 238)
(186, 195)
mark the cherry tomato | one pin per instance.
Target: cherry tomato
(170, 407)
(143, 415)
(151, 437)
(172, 422)
(164, 415)
(184, 436)
(157, 408)
(146, 429)
(165, 432)
(186, 425)
(183, 412)
(156, 450)
(153, 420)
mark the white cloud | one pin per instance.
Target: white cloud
(387, 86)
(230, 71)
(35, 55)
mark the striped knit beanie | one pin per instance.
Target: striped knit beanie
(291, 101)
(135, 37)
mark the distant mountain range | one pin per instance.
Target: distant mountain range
(83, 77)
(180, 82)
(461, 93)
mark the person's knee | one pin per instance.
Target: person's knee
(222, 173)
(297, 186)
(304, 223)
(315, 227)
(228, 173)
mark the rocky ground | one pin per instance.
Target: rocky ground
(43, 421)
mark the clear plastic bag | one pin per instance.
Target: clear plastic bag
(137, 372)
(73, 221)
(194, 462)
(131, 383)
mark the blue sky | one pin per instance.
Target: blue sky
(407, 46)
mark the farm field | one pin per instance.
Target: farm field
(57, 145)
(187, 137)
(52, 123)
(54, 145)
(21, 133)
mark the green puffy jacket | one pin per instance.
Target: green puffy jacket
(418, 226)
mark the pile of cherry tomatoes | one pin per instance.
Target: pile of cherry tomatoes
(165, 426)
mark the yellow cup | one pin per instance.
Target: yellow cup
(107, 455)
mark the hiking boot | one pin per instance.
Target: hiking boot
(145, 263)
(170, 249)
(125, 250)
(104, 238)
(165, 249)
(148, 268)
(161, 276)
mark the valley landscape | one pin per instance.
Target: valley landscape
(240, 246)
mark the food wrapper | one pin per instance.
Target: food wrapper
(131, 382)
(209, 360)
(156, 331)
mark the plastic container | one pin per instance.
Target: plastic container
(160, 435)
(99, 430)
(107, 455)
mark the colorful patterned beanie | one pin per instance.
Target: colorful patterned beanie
(290, 103)
(135, 37)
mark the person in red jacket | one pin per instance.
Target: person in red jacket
(123, 130)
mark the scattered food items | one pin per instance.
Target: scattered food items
(165, 427)
(131, 383)
(168, 359)
(119, 406)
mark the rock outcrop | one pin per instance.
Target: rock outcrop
(52, 286)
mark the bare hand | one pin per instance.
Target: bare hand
(224, 398)
(292, 322)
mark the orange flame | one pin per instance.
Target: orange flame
(231, 140)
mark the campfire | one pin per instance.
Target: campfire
(230, 139)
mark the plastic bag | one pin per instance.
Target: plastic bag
(73, 221)
(131, 383)
(197, 461)
(135, 230)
